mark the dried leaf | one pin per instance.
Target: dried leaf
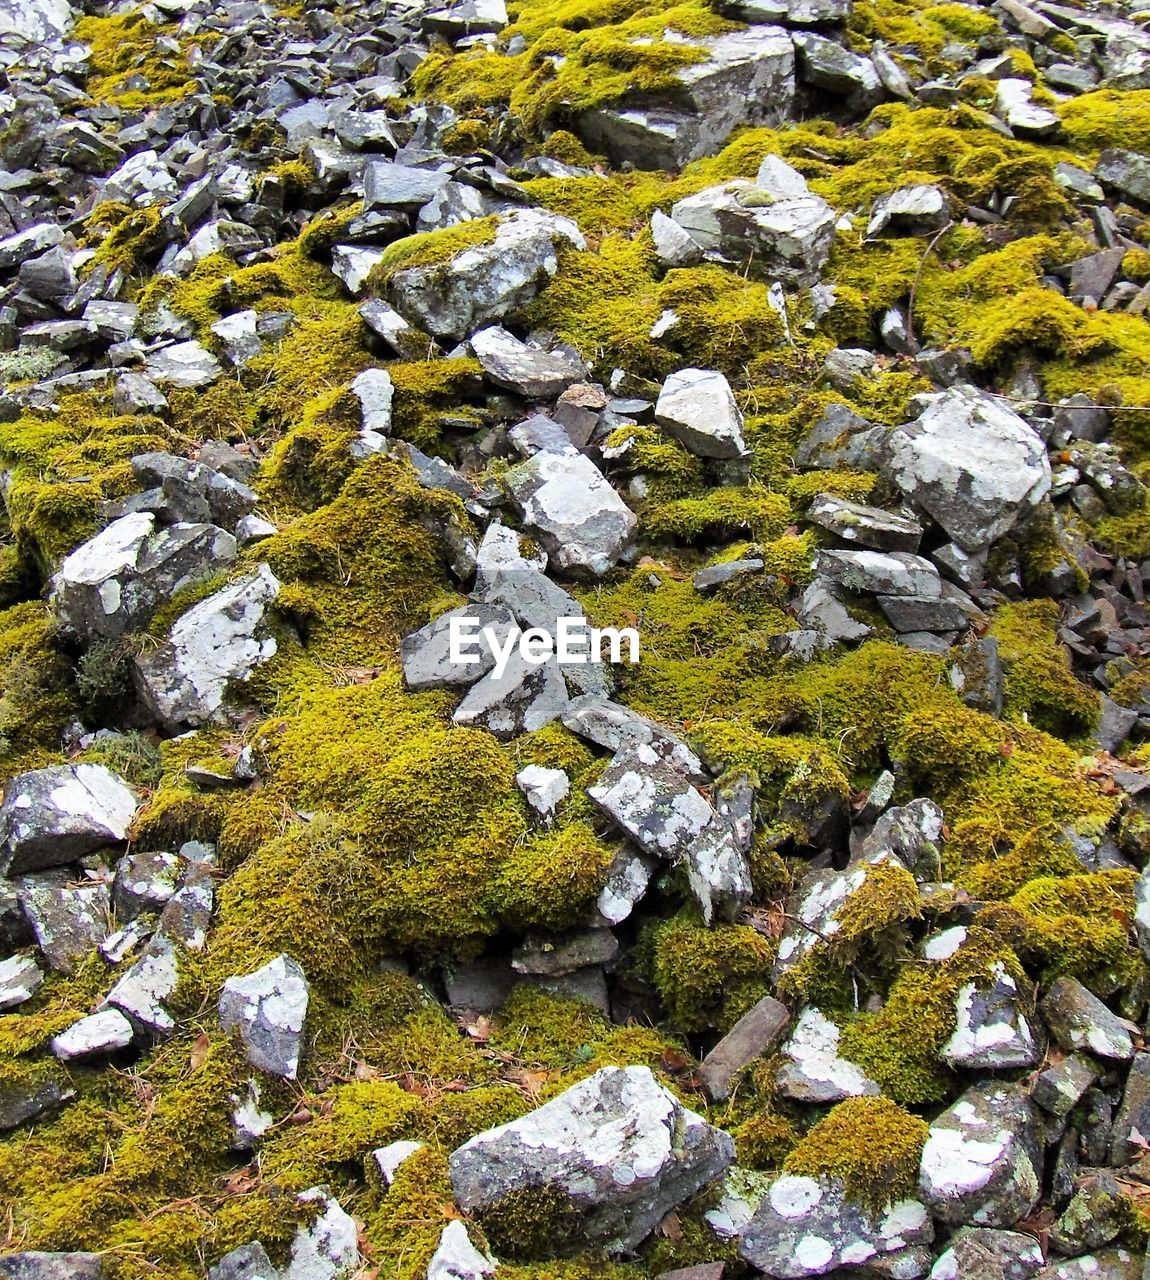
(201, 1046)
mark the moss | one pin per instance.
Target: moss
(36, 698)
(961, 20)
(1136, 266)
(124, 46)
(872, 1144)
(125, 239)
(720, 512)
(433, 248)
(427, 392)
(551, 879)
(1107, 118)
(765, 1139)
(708, 977)
(532, 1222)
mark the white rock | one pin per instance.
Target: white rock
(544, 789)
(269, 1009)
(20, 979)
(698, 407)
(329, 1248)
(96, 1036)
(457, 1258)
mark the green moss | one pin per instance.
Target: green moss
(433, 248)
(765, 1139)
(872, 1144)
(124, 46)
(1107, 118)
(708, 977)
(125, 239)
(36, 700)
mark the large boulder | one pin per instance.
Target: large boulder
(111, 584)
(217, 643)
(56, 815)
(617, 1150)
(484, 282)
(971, 463)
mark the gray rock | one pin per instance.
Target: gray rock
(864, 526)
(1059, 1089)
(977, 675)
(52, 1266)
(353, 265)
(807, 1227)
(269, 1009)
(141, 994)
(789, 239)
(135, 394)
(841, 438)
(1127, 172)
(698, 408)
(1106, 1264)
(813, 1070)
(982, 1163)
(247, 1262)
(484, 283)
(627, 880)
(388, 185)
(111, 584)
(1078, 1020)
(1131, 1130)
(184, 364)
(25, 1099)
(529, 371)
(756, 1033)
(544, 789)
(568, 504)
(69, 921)
(58, 814)
(143, 882)
(911, 833)
(921, 209)
(96, 1036)
(718, 575)
(992, 1031)
(829, 65)
(1013, 102)
(467, 18)
(887, 573)
(554, 956)
(237, 333)
(375, 392)
(20, 979)
(328, 1249)
(389, 325)
(971, 463)
(388, 1159)
(674, 246)
(975, 1252)
(426, 653)
(456, 1258)
(617, 728)
(1096, 1215)
(218, 643)
(618, 1147)
(795, 13)
(821, 609)
(522, 698)
(28, 244)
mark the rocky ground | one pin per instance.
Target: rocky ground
(809, 339)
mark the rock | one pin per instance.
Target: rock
(268, 1008)
(617, 728)
(185, 364)
(529, 371)
(1078, 1020)
(992, 1032)
(1096, 1216)
(238, 335)
(216, 644)
(788, 239)
(1059, 1088)
(1107, 1264)
(467, 17)
(971, 463)
(756, 1033)
(29, 1096)
(544, 789)
(911, 833)
(141, 994)
(978, 677)
(353, 265)
(111, 584)
(248, 1262)
(704, 1271)
(523, 698)
(829, 65)
(388, 1159)
(1114, 725)
(426, 653)
(698, 408)
(388, 185)
(976, 1252)
(674, 246)
(718, 575)
(329, 1248)
(627, 880)
(841, 438)
(374, 390)
(1132, 1122)
(1013, 102)
(813, 1071)
(554, 956)
(485, 282)
(389, 325)
(568, 504)
(58, 814)
(69, 921)
(821, 609)
(887, 573)
(619, 1149)
(864, 526)
(143, 882)
(921, 209)
(20, 979)
(96, 1036)
(807, 1227)
(456, 1258)
(746, 78)
(249, 1121)
(982, 1163)
(1127, 172)
(52, 1266)
(135, 394)
(29, 243)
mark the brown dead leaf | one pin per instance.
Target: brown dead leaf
(671, 1228)
(201, 1046)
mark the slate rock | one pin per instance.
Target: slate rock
(247, 1262)
(756, 1033)
(269, 1009)
(971, 463)
(69, 921)
(20, 979)
(620, 1149)
(143, 882)
(52, 1266)
(218, 643)
(813, 1070)
(976, 1252)
(141, 994)
(864, 526)
(887, 573)
(1127, 172)
(1096, 1215)
(1078, 1020)
(456, 1258)
(184, 364)
(523, 698)
(58, 814)
(529, 371)
(388, 1159)
(982, 1163)
(1106, 1264)
(328, 1249)
(1059, 1088)
(28, 1097)
(992, 1032)
(426, 653)
(841, 438)
(698, 408)
(96, 1036)
(616, 728)
(544, 789)
(921, 209)
(808, 1227)
(1131, 1130)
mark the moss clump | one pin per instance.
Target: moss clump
(1040, 685)
(533, 1222)
(36, 698)
(765, 1139)
(708, 977)
(433, 248)
(125, 46)
(872, 1144)
(124, 238)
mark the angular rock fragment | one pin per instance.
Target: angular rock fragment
(522, 698)
(544, 789)
(616, 727)
(915, 210)
(886, 573)
(529, 371)
(20, 978)
(1079, 1020)
(982, 1163)
(698, 408)
(268, 1008)
(96, 1036)
(388, 1159)
(456, 1258)
(1106, 1264)
(56, 815)
(992, 1032)
(328, 1249)
(247, 1262)
(52, 1266)
(426, 653)
(974, 1251)
(69, 921)
(141, 994)
(617, 1149)
(185, 364)
(216, 644)
(808, 1227)
(756, 1033)
(813, 1070)
(1131, 1131)
(27, 1097)
(865, 526)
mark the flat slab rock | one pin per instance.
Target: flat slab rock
(620, 1148)
(269, 1009)
(807, 1227)
(812, 1069)
(56, 815)
(52, 1266)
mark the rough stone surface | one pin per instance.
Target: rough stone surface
(269, 1009)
